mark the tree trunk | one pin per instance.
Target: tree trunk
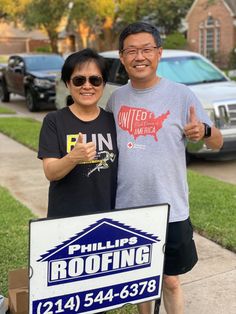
(53, 40)
(54, 45)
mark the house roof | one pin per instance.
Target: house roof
(9, 30)
(232, 5)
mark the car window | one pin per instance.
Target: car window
(40, 63)
(189, 70)
(117, 73)
(110, 66)
(121, 76)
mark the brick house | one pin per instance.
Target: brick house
(212, 29)
(14, 39)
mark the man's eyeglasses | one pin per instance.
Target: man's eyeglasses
(80, 80)
(146, 51)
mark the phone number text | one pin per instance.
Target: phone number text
(102, 298)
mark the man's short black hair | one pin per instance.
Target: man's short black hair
(139, 27)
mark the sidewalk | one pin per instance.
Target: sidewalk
(210, 288)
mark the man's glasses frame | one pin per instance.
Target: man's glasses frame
(80, 80)
(133, 51)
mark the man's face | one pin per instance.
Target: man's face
(140, 57)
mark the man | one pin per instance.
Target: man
(155, 117)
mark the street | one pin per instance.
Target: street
(17, 104)
(222, 170)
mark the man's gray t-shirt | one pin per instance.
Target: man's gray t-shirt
(151, 143)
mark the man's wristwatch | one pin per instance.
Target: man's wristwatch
(207, 130)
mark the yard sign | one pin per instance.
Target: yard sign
(88, 264)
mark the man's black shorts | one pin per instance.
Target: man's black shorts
(180, 252)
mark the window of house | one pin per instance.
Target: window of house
(209, 42)
(201, 41)
(209, 37)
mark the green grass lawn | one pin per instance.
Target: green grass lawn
(4, 58)
(4, 110)
(212, 203)
(14, 236)
(23, 130)
(213, 209)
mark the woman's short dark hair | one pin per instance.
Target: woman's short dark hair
(139, 27)
(79, 58)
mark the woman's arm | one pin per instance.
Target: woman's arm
(57, 168)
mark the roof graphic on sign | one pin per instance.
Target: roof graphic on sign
(104, 235)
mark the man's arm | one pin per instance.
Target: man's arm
(215, 141)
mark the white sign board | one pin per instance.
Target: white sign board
(92, 263)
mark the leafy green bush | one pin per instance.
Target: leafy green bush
(44, 49)
(175, 41)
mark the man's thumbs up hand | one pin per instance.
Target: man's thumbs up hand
(194, 129)
(192, 115)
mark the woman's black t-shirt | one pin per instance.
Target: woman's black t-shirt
(90, 187)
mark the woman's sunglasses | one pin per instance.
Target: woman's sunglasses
(81, 80)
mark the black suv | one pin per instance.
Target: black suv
(32, 76)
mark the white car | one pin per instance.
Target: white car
(213, 88)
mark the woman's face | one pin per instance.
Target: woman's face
(87, 94)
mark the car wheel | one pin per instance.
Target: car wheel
(30, 101)
(4, 94)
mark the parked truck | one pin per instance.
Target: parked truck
(33, 77)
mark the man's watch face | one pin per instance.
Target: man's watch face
(207, 130)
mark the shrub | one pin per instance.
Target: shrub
(175, 41)
(44, 49)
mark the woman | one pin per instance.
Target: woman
(78, 143)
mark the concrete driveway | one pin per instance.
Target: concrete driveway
(221, 170)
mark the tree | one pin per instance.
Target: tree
(129, 11)
(99, 22)
(168, 14)
(94, 18)
(103, 19)
(12, 9)
(165, 14)
(46, 14)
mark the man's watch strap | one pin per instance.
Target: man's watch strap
(207, 130)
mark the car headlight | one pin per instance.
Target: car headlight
(211, 114)
(219, 116)
(43, 83)
(222, 117)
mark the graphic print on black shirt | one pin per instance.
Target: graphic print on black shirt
(104, 156)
